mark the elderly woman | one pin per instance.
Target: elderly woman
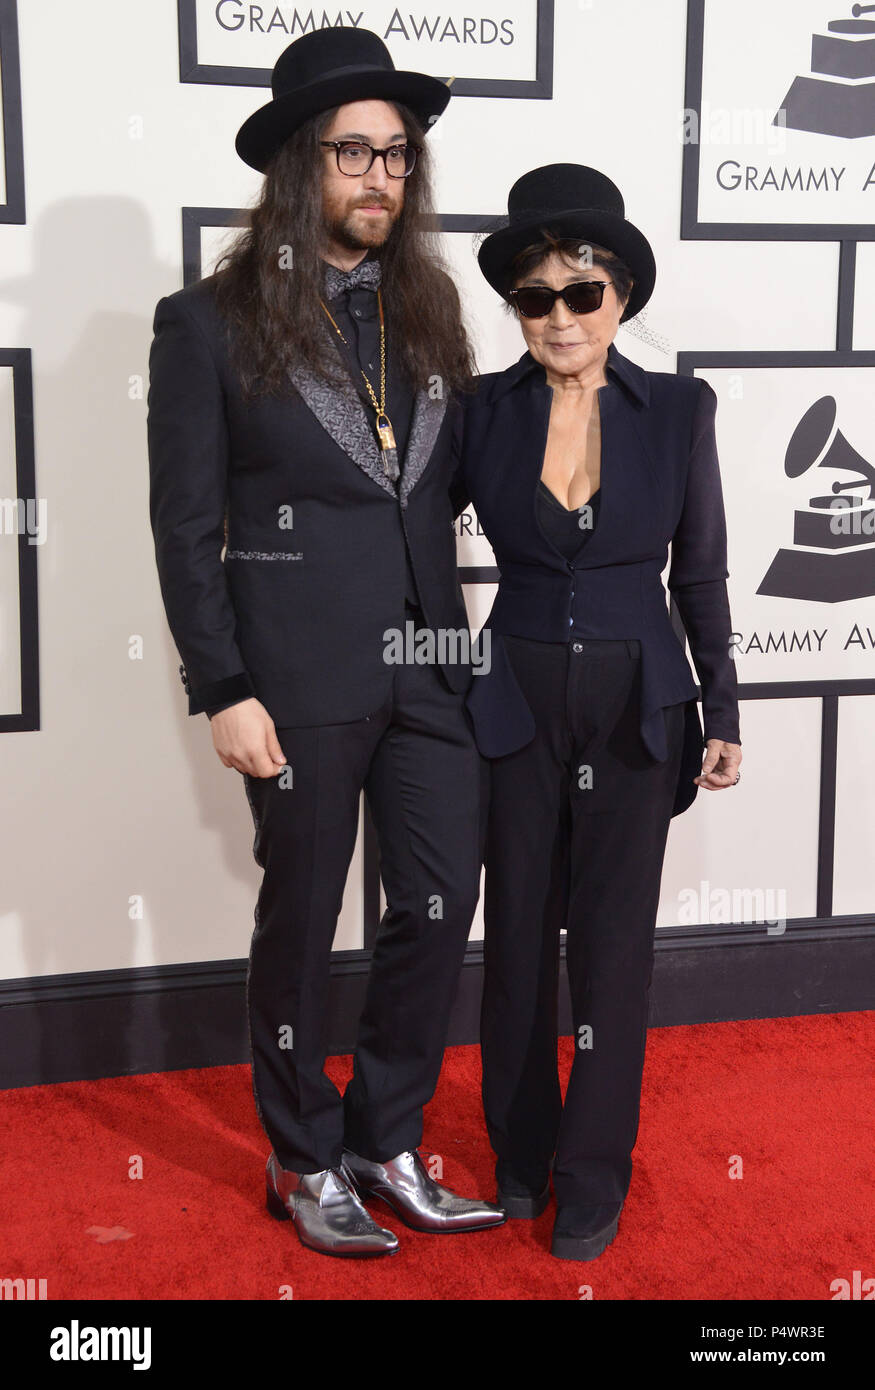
(582, 467)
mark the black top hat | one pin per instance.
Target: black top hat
(575, 201)
(326, 68)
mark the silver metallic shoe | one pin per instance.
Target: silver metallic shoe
(404, 1184)
(328, 1216)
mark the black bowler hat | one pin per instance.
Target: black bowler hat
(330, 67)
(569, 200)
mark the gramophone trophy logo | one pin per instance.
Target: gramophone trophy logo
(833, 558)
(839, 96)
(768, 144)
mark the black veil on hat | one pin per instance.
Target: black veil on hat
(569, 200)
(330, 67)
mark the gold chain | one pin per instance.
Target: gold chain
(385, 432)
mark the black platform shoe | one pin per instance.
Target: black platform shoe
(522, 1201)
(582, 1233)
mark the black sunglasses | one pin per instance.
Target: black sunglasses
(581, 296)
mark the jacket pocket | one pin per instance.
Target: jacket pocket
(264, 555)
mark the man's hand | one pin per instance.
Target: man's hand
(720, 765)
(245, 738)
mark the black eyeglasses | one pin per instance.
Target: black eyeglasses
(581, 296)
(354, 157)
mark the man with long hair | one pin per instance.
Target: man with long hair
(303, 409)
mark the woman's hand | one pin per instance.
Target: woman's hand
(719, 765)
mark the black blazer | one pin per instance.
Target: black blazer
(660, 483)
(293, 616)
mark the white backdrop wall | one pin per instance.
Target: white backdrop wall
(125, 841)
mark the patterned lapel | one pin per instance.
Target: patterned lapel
(427, 419)
(341, 413)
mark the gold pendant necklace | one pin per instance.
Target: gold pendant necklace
(385, 433)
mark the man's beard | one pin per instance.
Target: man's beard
(357, 233)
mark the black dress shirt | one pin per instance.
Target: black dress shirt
(357, 313)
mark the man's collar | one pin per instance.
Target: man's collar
(632, 377)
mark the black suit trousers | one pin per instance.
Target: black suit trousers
(416, 760)
(577, 828)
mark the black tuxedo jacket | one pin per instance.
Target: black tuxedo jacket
(660, 484)
(296, 609)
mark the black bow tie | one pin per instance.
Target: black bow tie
(365, 275)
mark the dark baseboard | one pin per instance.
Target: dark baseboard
(126, 1022)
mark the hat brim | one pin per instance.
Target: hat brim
(262, 134)
(604, 228)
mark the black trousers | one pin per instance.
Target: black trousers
(577, 827)
(418, 764)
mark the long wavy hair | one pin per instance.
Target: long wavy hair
(269, 283)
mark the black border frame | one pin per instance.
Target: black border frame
(829, 691)
(19, 359)
(13, 210)
(692, 229)
(539, 88)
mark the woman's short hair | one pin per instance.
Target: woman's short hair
(527, 260)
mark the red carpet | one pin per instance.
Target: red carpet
(793, 1097)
